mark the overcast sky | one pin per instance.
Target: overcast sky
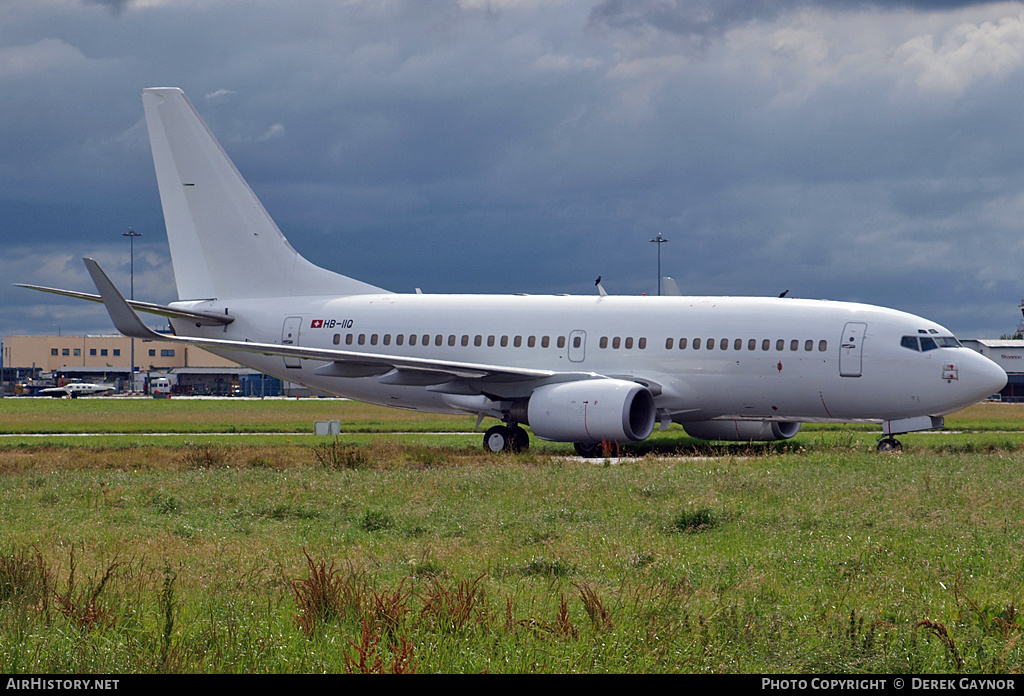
(840, 149)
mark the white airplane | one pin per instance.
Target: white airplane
(580, 369)
(77, 389)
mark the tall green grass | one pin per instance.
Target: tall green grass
(383, 557)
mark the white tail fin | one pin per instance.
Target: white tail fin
(223, 243)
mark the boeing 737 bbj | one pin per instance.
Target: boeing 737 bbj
(574, 369)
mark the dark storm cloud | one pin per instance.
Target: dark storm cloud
(850, 150)
(116, 7)
(709, 17)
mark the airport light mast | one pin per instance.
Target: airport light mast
(659, 240)
(131, 235)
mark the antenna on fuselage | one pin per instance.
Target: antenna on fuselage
(600, 288)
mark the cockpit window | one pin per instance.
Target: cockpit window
(929, 342)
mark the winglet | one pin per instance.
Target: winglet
(123, 316)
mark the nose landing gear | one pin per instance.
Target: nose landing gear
(889, 444)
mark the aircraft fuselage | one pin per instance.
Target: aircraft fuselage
(705, 357)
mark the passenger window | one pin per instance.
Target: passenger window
(794, 344)
(531, 341)
(808, 345)
(724, 344)
(373, 340)
(642, 343)
(465, 340)
(348, 339)
(629, 343)
(765, 344)
(517, 341)
(616, 342)
(451, 339)
(737, 344)
(696, 344)
(780, 345)
(387, 339)
(603, 342)
(545, 342)
(822, 345)
(399, 339)
(682, 344)
(577, 342)
(561, 341)
(412, 339)
(752, 344)
(504, 341)
(337, 339)
(439, 339)
(668, 343)
(478, 341)
(909, 342)
(490, 341)
(362, 339)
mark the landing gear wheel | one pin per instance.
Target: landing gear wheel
(520, 439)
(497, 439)
(589, 449)
(889, 444)
(606, 448)
(506, 438)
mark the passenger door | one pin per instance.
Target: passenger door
(290, 337)
(851, 349)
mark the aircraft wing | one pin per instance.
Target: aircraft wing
(344, 363)
(206, 318)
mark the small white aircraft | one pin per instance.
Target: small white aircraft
(580, 369)
(77, 389)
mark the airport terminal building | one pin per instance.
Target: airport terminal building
(32, 362)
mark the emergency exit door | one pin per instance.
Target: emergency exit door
(577, 346)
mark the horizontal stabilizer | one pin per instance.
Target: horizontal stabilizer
(202, 318)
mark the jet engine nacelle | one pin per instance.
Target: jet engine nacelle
(592, 410)
(743, 431)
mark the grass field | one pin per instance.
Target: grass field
(240, 542)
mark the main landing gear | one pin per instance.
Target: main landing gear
(506, 438)
(597, 449)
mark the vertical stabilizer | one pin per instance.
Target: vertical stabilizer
(223, 243)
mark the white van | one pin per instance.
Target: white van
(160, 388)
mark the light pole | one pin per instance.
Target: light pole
(131, 235)
(659, 240)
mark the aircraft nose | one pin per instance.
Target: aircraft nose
(985, 377)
